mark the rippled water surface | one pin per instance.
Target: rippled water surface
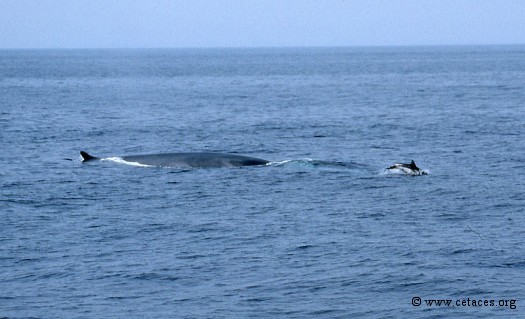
(321, 232)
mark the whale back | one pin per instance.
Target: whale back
(202, 160)
(187, 160)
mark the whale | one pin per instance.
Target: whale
(408, 169)
(183, 160)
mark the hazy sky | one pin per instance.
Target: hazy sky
(251, 23)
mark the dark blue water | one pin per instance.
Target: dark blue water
(321, 233)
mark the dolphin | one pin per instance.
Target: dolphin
(409, 169)
(185, 160)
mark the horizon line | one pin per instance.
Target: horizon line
(268, 47)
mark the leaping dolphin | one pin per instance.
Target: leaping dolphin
(410, 169)
(186, 160)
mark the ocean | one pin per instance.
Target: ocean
(321, 232)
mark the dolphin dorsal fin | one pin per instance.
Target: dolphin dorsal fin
(86, 157)
(413, 165)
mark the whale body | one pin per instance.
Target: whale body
(185, 160)
(408, 169)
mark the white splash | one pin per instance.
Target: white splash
(300, 161)
(404, 171)
(120, 160)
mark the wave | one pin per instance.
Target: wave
(311, 163)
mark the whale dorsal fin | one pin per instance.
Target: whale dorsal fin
(413, 165)
(86, 157)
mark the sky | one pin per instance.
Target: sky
(258, 23)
